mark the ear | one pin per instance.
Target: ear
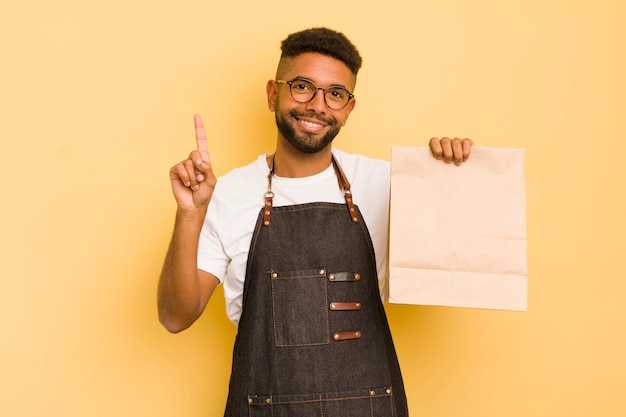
(271, 90)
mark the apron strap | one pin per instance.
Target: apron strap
(344, 186)
(269, 195)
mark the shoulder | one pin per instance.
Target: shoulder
(239, 192)
(357, 161)
(359, 167)
(238, 182)
(256, 169)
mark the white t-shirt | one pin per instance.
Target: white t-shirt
(238, 199)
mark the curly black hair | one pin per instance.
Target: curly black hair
(324, 41)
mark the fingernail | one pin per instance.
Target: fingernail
(195, 187)
(188, 183)
(200, 178)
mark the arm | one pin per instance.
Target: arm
(184, 290)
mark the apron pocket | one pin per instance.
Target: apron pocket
(300, 307)
(364, 403)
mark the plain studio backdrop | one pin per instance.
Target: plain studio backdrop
(96, 103)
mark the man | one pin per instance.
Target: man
(299, 240)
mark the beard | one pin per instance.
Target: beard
(306, 143)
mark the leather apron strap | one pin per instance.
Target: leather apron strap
(344, 186)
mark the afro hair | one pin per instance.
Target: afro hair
(324, 41)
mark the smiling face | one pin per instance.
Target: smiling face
(309, 127)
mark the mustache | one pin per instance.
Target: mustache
(312, 115)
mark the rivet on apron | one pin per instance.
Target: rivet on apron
(331, 277)
(388, 390)
(372, 392)
(269, 400)
(323, 272)
(357, 277)
(250, 400)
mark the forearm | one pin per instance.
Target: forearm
(180, 295)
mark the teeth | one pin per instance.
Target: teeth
(310, 124)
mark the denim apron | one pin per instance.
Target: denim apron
(313, 338)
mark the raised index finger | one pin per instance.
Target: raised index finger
(201, 137)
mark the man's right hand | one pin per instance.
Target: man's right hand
(193, 180)
(184, 290)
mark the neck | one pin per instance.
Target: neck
(297, 164)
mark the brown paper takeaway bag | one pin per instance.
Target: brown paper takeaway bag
(458, 234)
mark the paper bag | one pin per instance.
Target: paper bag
(458, 234)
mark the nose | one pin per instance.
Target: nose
(318, 102)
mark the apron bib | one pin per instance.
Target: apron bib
(313, 338)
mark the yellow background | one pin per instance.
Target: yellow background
(96, 103)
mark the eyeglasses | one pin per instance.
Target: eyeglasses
(303, 91)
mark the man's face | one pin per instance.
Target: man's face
(310, 127)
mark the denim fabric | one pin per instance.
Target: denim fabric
(286, 360)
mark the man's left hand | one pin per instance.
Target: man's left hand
(451, 150)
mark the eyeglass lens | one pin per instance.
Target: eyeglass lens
(303, 91)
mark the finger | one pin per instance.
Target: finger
(179, 172)
(467, 148)
(457, 151)
(201, 137)
(435, 148)
(190, 173)
(201, 166)
(446, 149)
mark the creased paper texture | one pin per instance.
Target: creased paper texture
(458, 234)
